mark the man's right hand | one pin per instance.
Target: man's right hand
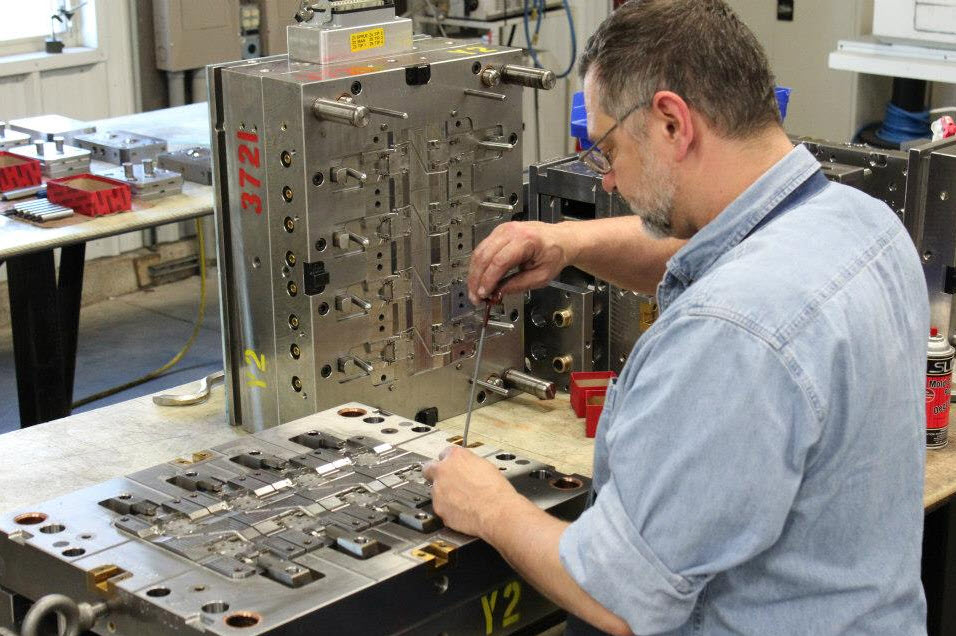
(539, 250)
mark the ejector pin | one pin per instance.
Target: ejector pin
(542, 389)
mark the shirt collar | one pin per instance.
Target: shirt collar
(735, 222)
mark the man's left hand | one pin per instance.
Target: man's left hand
(467, 490)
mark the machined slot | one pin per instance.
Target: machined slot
(104, 578)
(318, 439)
(257, 460)
(125, 504)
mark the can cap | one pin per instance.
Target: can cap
(933, 332)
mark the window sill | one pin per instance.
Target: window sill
(24, 63)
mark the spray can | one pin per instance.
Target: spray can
(939, 377)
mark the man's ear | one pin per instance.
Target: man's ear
(671, 116)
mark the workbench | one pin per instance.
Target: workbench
(55, 458)
(45, 308)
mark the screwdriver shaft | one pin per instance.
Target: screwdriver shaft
(474, 377)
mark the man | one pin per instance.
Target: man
(759, 464)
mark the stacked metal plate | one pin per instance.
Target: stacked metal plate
(146, 181)
(195, 164)
(47, 127)
(120, 146)
(10, 138)
(55, 157)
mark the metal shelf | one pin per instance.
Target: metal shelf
(484, 25)
(895, 60)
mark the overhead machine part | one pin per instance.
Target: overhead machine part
(354, 177)
(321, 526)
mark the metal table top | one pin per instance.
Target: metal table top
(58, 457)
(182, 127)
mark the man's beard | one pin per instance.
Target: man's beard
(654, 201)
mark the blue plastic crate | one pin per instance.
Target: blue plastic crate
(579, 114)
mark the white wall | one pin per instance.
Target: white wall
(94, 82)
(825, 103)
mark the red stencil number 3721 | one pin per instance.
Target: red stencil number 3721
(249, 183)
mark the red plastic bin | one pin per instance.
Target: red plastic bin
(594, 405)
(18, 172)
(90, 194)
(583, 380)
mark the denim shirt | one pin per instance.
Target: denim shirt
(759, 463)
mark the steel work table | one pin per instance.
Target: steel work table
(60, 456)
(45, 309)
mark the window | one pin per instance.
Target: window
(25, 25)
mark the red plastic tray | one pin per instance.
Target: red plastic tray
(90, 194)
(582, 380)
(18, 172)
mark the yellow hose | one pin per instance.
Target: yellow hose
(152, 375)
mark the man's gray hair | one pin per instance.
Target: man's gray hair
(698, 49)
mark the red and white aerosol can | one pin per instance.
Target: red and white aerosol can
(939, 378)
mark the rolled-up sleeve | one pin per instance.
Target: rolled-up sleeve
(706, 446)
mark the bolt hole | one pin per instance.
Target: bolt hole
(421, 429)
(352, 411)
(373, 419)
(243, 619)
(215, 607)
(198, 588)
(326, 371)
(505, 457)
(320, 245)
(323, 309)
(458, 124)
(513, 139)
(481, 397)
(566, 483)
(317, 179)
(52, 528)
(476, 68)
(389, 431)
(30, 518)
(60, 544)
(74, 552)
(356, 88)
(513, 199)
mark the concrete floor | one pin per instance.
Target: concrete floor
(126, 337)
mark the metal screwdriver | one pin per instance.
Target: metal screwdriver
(493, 300)
(474, 377)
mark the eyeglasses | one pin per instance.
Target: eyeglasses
(596, 160)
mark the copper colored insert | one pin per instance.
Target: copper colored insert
(30, 518)
(351, 411)
(565, 483)
(243, 619)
